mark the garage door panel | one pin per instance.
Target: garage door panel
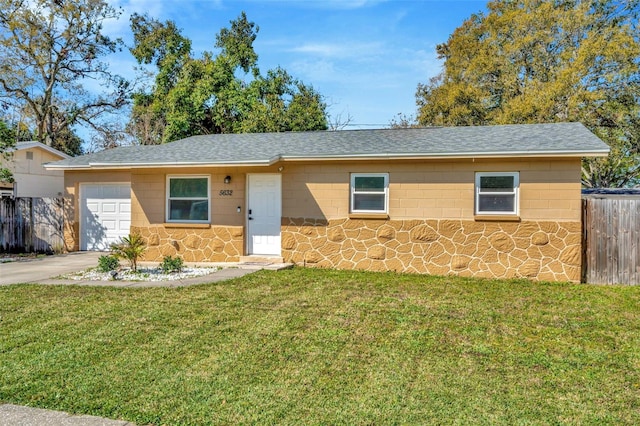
(106, 215)
(109, 207)
(92, 207)
(109, 225)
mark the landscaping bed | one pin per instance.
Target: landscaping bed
(142, 274)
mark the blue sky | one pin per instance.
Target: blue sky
(365, 57)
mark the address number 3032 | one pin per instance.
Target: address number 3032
(226, 192)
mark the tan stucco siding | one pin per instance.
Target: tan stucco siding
(147, 197)
(34, 166)
(549, 189)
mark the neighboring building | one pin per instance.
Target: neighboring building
(494, 201)
(31, 178)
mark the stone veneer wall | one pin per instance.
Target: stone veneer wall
(211, 244)
(549, 251)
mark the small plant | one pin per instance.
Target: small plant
(57, 248)
(171, 264)
(130, 248)
(108, 263)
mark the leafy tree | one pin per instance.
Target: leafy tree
(68, 142)
(160, 44)
(48, 51)
(7, 142)
(280, 103)
(531, 61)
(207, 95)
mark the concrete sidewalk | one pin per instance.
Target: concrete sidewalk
(16, 415)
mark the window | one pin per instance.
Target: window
(369, 192)
(29, 155)
(188, 199)
(497, 193)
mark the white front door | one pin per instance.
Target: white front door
(264, 211)
(105, 214)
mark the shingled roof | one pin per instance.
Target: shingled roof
(530, 140)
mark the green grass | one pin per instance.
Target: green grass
(327, 347)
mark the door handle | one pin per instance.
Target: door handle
(250, 218)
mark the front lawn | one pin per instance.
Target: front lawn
(308, 346)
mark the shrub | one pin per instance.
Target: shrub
(129, 248)
(171, 264)
(108, 263)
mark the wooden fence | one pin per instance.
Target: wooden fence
(611, 239)
(31, 225)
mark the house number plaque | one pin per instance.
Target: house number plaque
(226, 192)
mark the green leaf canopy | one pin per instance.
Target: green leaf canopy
(534, 61)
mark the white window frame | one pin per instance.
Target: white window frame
(515, 192)
(168, 198)
(352, 192)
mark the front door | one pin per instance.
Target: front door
(264, 211)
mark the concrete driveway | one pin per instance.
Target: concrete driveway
(44, 268)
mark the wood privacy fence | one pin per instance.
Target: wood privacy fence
(31, 225)
(611, 239)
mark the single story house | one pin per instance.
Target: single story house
(31, 178)
(488, 201)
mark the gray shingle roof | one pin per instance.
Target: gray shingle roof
(558, 139)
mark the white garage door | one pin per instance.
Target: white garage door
(105, 214)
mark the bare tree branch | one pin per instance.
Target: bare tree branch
(47, 50)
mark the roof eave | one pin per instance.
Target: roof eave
(441, 156)
(345, 157)
(38, 145)
(126, 166)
